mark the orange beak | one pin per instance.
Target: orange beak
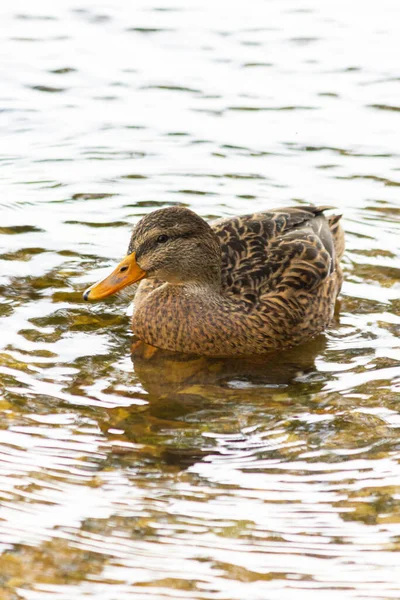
(126, 273)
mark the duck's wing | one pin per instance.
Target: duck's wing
(276, 250)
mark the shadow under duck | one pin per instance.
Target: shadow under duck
(238, 286)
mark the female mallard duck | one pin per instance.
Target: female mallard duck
(239, 286)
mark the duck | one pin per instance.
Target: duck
(239, 286)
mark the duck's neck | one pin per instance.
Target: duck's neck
(210, 281)
(206, 276)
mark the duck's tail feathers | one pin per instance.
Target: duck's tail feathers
(337, 234)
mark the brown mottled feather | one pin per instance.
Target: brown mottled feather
(279, 279)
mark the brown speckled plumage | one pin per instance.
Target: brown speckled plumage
(239, 286)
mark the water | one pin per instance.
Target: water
(195, 479)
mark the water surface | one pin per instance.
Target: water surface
(195, 479)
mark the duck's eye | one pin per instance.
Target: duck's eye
(162, 238)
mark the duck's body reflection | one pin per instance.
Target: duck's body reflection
(191, 399)
(162, 372)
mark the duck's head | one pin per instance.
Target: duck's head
(171, 244)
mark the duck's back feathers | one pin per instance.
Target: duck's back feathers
(276, 250)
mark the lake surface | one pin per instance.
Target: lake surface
(164, 478)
